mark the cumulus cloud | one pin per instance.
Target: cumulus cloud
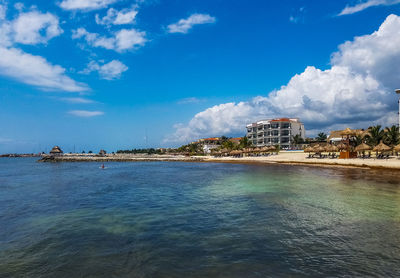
(184, 25)
(367, 4)
(85, 5)
(35, 27)
(108, 71)
(114, 17)
(124, 39)
(85, 113)
(356, 90)
(37, 71)
(32, 27)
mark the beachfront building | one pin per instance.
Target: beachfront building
(275, 132)
(209, 144)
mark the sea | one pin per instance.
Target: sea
(186, 219)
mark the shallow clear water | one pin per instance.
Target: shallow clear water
(166, 219)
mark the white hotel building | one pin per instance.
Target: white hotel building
(275, 132)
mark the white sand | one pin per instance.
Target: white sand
(301, 158)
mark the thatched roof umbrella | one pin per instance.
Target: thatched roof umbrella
(381, 147)
(265, 149)
(314, 148)
(56, 150)
(348, 132)
(331, 148)
(235, 152)
(257, 150)
(342, 146)
(363, 147)
(397, 148)
(224, 151)
(308, 150)
(319, 149)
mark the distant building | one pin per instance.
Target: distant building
(56, 150)
(102, 153)
(275, 132)
(209, 143)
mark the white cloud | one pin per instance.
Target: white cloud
(37, 71)
(77, 100)
(356, 91)
(122, 40)
(85, 113)
(35, 27)
(367, 4)
(190, 100)
(125, 16)
(184, 25)
(3, 10)
(31, 28)
(108, 71)
(85, 5)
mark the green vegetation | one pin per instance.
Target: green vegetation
(321, 137)
(142, 151)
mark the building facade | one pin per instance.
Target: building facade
(275, 132)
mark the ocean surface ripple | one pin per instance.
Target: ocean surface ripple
(174, 219)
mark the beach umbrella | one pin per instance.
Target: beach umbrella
(381, 148)
(397, 148)
(348, 132)
(331, 148)
(257, 150)
(319, 149)
(224, 151)
(314, 148)
(265, 149)
(342, 146)
(363, 147)
(308, 150)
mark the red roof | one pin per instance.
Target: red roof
(211, 139)
(281, 120)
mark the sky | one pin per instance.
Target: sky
(123, 74)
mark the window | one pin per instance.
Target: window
(275, 133)
(275, 125)
(285, 132)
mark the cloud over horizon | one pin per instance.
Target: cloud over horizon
(356, 90)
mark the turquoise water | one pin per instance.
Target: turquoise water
(167, 219)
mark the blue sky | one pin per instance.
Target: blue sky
(119, 74)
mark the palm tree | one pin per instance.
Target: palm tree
(376, 135)
(244, 143)
(391, 135)
(321, 137)
(297, 139)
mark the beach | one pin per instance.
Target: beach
(283, 157)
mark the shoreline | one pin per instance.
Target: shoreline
(284, 158)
